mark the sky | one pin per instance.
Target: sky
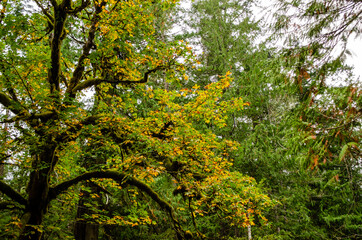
(354, 44)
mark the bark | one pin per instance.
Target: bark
(85, 229)
(38, 193)
(60, 17)
(45, 160)
(10, 192)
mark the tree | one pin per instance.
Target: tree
(53, 55)
(227, 34)
(288, 93)
(324, 27)
(328, 111)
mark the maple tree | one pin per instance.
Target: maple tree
(54, 55)
(113, 128)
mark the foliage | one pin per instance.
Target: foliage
(80, 102)
(291, 120)
(114, 128)
(323, 26)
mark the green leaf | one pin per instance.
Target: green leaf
(343, 152)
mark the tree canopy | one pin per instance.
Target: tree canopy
(112, 127)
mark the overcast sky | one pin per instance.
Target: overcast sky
(354, 45)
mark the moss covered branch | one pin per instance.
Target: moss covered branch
(95, 81)
(78, 71)
(116, 176)
(11, 193)
(122, 179)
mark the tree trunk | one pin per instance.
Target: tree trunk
(249, 232)
(38, 189)
(83, 229)
(2, 162)
(249, 228)
(38, 204)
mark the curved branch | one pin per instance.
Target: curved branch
(122, 179)
(116, 176)
(11, 193)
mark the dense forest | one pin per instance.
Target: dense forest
(166, 119)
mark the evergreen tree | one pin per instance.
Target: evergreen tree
(284, 88)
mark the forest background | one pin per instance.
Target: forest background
(114, 126)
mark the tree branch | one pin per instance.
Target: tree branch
(46, 13)
(3, 157)
(71, 132)
(23, 115)
(96, 81)
(60, 17)
(78, 71)
(116, 176)
(122, 179)
(145, 76)
(11, 193)
(13, 106)
(84, 4)
(86, 84)
(4, 65)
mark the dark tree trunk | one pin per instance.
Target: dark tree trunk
(85, 229)
(38, 190)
